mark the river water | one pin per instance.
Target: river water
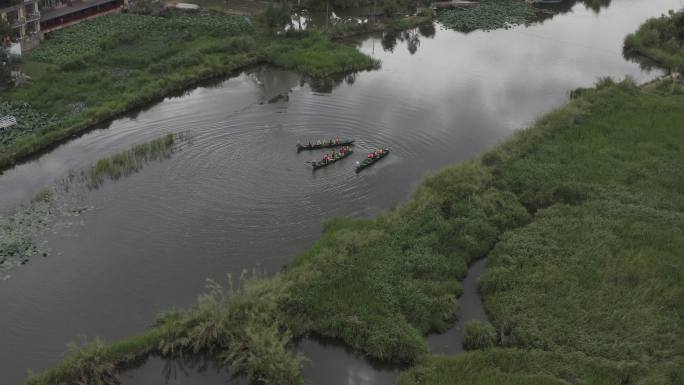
(237, 196)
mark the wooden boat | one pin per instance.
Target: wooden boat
(368, 161)
(326, 144)
(323, 163)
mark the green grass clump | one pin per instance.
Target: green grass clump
(515, 367)
(488, 15)
(659, 42)
(478, 335)
(318, 56)
(130, 161)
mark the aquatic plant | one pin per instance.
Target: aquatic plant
(18, 230)
(127, 162)
(29, 120)
(108, 32)
(478, 335)
(488, 15)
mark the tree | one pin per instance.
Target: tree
(5, 31)
(390, 7)
(276, 17)
(6, 80)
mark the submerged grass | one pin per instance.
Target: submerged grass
(130, 161)
(50, 208)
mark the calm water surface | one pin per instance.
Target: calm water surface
(237, 196)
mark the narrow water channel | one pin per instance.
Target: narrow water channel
(238, 196)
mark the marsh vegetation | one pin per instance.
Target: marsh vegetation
(574, 212)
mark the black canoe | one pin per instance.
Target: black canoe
(368, 162)
(327, 144)
(322, 163)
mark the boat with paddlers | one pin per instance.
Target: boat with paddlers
(330, 159)
(371, 158)
(324, 144)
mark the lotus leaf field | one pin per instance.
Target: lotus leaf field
(104, 33)
(488, 15)
(28, 120)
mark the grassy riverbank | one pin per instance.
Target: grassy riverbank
(594, 279)
(582, 217)
(96, 70)
(659, 42)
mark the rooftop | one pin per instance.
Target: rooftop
(63, 11)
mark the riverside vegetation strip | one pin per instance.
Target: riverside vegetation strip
(93, 71)
(581, 215)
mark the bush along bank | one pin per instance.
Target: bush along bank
(659, 42)
(96, 70)
(580, 209)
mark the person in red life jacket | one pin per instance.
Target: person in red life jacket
(371, 155)
(337, 140)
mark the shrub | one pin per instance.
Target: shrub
(479, 335)
(390, 8)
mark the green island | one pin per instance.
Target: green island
(581, 217)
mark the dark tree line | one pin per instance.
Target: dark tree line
(5, 60)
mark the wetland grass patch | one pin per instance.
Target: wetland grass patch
(130, 161)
